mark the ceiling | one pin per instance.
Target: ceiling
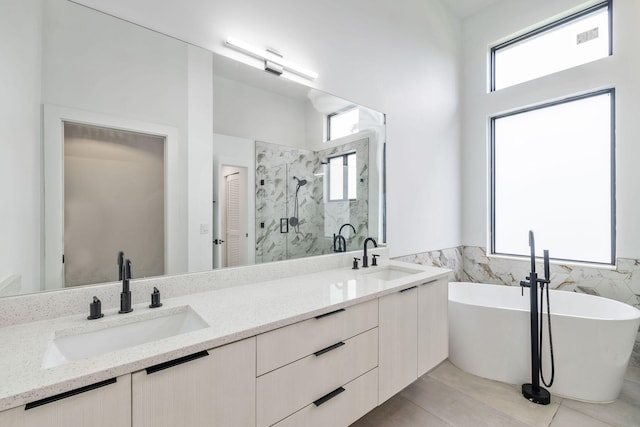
(465, 8)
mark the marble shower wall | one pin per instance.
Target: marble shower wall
(276, 165)
(354, 212)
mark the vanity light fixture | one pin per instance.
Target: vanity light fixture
(273, 61)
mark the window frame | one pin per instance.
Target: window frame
(338, 113)
(345, 176)
(492, 160)
(548, 27)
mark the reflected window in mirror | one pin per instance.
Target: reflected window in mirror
(343, 123)
(342, 177)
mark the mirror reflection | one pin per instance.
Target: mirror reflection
(120, 138)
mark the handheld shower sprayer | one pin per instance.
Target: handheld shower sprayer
(301, 182)
(294, 220)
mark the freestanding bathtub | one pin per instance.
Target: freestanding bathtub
(489, 336)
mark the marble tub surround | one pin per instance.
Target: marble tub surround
(232, 313)
(446, 258)
(53, 304)
(471, 264)
(620, 282)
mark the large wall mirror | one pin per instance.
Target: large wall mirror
(116, 137)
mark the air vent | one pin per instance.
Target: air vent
(587, 36)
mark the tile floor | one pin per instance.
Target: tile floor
(448, 396)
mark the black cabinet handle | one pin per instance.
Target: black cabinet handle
(70, 393)
(330, 313)
(175, 362)
(329, 396)
(430, 281)
(328, 349)
(408, 289)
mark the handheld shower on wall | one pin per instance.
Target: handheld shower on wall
(294, 221)
(301, 182)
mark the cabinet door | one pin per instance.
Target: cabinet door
(433, 324)
(398, 335)
(105, 404)
(214, 388)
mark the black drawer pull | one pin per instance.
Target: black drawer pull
(328, 349)
(408, 289)
(330, 313)
(69, 394)
(329, 396)
(175, 362)
(430, 281)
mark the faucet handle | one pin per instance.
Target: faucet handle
(374, 262)
(155, 298)
(95, 309)
(355, 263)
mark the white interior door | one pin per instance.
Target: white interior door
(234, 222)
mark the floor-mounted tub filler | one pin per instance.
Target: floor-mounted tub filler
(593, 339)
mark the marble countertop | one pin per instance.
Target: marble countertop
(232, 314)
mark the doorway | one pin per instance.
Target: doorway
(113, 201)
(234, 243)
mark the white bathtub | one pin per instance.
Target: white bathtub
(489, 336)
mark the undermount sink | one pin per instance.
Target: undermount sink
(68, 347)
(390, 272)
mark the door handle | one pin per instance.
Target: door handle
(218, 241)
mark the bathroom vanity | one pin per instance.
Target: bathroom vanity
(321, 348)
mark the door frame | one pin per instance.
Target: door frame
(218, 178)
(54, 117)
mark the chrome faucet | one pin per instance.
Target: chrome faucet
(125, 295)
(365, 259)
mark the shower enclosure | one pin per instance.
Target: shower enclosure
(294, 216)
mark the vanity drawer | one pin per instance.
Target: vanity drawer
(284, 391)
(357, 398)
(290, 343)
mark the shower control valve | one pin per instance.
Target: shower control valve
(355, 263)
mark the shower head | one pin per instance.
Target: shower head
(301, 182)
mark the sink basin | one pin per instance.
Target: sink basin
(67, 346)
(390, 272)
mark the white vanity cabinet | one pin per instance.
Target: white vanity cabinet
(433, 324)
(398, 352)
(212, 388)
(104, 404)
(321, 371)
(414, 334)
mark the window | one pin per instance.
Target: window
(342, 177)
(343, 123)
(574, 40)
(553, 172)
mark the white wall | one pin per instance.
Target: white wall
(249, 112)
(94, 63)
(200, 159)
(401, 58)
(621, 71)
(20, 176)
